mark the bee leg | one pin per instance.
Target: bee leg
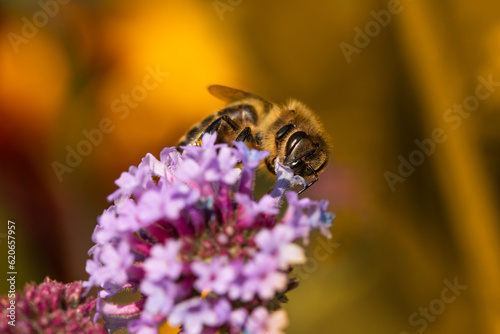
(246, 134)
(308, 185)
(214, 126)
(316, 178)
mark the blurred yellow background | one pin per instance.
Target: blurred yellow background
(408, 90)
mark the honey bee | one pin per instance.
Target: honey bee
(290, 132)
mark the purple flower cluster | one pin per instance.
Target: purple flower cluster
(50, 307)
(205, 255)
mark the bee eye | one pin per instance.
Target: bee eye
(294, 140)
(282, 132)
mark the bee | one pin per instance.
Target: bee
(290, 132)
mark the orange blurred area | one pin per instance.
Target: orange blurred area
(408, 90)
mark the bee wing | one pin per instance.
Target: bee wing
(230, 95)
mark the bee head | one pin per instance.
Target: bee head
(305, 155)
(296, 136)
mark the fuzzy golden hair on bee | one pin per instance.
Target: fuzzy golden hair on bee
(303, 126)
(297, 113)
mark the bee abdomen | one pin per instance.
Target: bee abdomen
(242, 114)
(192, 135)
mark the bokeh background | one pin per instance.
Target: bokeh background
(77, 63)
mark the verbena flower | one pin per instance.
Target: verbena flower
(50, 307)
(187, 232)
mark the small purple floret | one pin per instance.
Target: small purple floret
(205, 254)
